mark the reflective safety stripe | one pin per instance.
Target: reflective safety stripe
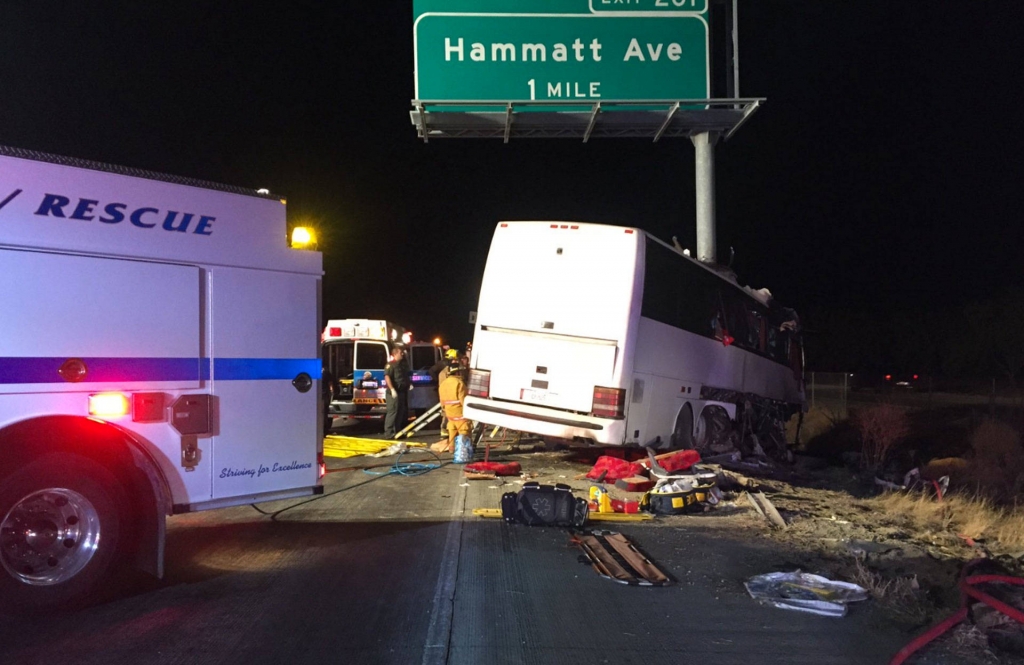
(14, 370)
(457, 401)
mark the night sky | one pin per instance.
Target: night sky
(883, 174)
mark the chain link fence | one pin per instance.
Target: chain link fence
(829, 391)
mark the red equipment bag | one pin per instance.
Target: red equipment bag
(681, 461)
(497, 468)
(613, 469)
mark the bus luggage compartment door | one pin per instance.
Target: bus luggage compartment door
(544, 369)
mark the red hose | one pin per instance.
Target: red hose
(967, 591)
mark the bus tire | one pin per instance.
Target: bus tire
(715, 432)
(61, 534)
(682, 433)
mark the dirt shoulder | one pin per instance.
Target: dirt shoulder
(835, 527)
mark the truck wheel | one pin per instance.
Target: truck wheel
(682, 435)
(61, 533)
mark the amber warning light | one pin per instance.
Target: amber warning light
(108, 405)
(303, 237)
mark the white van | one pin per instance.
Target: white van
(606, 335)
(159, 354)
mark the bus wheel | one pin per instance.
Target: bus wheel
(682, 435)
(60, 533)
(714, 432)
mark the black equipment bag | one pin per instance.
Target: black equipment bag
(675, 503)
(544, 505)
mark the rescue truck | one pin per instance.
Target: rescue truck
(356, 353)
(158, 355)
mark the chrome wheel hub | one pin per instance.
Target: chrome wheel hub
(49, 536)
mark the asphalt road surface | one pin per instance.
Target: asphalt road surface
(397, 570)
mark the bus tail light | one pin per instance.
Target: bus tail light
(480, 383)
(321, 466)
(609, 402)
(109, 405)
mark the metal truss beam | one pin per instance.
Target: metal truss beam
(651, 119)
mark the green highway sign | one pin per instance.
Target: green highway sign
(574, 50)
(659, 6)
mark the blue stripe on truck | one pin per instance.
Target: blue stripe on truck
(120, 370)
(256, 369)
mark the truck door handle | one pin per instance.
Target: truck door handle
(303, 382)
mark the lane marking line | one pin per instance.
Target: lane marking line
(442, 609)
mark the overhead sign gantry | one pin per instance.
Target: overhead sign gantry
(576, 69)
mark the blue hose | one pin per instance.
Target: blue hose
(409, 468)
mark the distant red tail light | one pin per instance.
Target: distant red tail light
(915, 377)
(479, 383)
(888, 377)
(609, 402)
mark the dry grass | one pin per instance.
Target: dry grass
(997, 469)
(901, 596)
(975, 517)
(971, 642)
(816, 422)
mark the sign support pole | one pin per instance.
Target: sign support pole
(735, 50)
(704, 168)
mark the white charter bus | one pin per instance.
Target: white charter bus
(606, 335)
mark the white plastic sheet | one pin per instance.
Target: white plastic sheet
(804, 592)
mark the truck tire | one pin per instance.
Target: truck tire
(62, 529)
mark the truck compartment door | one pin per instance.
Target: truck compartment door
(265, 337)
(135, 325)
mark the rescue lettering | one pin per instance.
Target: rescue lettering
(144, 217)
(9, 198)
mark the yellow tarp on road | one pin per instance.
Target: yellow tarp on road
(350, 446)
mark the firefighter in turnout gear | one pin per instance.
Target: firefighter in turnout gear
(452, 393)
(440, 372)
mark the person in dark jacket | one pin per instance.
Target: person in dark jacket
(396, 376)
